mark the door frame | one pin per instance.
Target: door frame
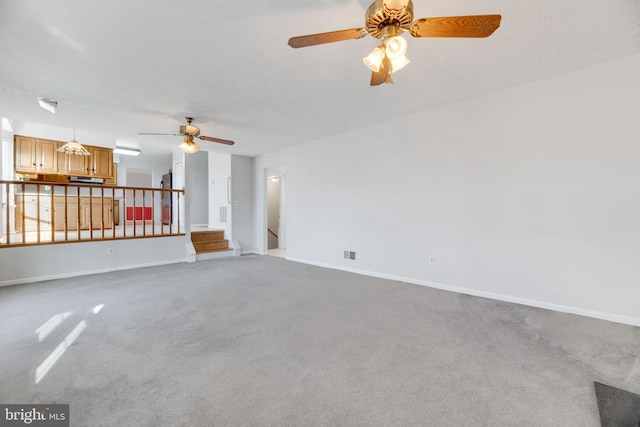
(280, 173)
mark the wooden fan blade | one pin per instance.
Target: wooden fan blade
(212, 139)
(456, 26)
(169, 134)
(384, 74)
(322, 38)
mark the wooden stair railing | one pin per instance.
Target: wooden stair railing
(55, 212)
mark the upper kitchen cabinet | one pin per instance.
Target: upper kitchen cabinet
(36, 155)
(99, 164)
(40, 156)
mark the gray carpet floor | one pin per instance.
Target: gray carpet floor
(262, 341)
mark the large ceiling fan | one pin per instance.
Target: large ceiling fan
(387, 20)
(189, 132)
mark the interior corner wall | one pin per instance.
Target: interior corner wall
(529, 194)
(198, 174)
(219, 175)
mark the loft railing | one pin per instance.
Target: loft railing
(38, 213)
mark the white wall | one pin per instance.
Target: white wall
(219, 174)
(242, 201)
(198, 167)
(530, 194)
(36, 130)
(7, 174)
(33, 263)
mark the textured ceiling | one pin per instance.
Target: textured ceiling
(121, 67)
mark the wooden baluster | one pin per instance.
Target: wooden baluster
(102, 211)
(134, 213)
(90, 213)
(38, 211)
(79, 213)
(53, 213)
(153, 213)
(113, 213)
(8, 225)
(66, 213)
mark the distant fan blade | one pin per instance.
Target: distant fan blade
(169, 134)
(322, 38)
(212, 139)
(384, 74)
(456, 26)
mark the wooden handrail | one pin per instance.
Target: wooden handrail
(271, 231)
(50, 213)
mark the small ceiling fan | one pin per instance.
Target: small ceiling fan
(189, 132)
(387, 20)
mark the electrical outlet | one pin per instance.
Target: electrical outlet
(432, 260)
(110, 251)
(350, 255)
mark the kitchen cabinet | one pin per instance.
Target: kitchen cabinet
(98, 165)
(93, 212)
(88, 212)
(101, 162)
(40, 156)
(72, 213)
(28, 215)
(36, 155)
(72, 165)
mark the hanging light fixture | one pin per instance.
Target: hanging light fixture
(396, 48)
(188, 146)
(374, 60)
(74, 147)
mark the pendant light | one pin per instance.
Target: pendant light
(74, 147)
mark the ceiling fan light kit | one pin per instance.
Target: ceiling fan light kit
(387, 20)
(374, 60)
(189, 146)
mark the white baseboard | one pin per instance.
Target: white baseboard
(88, 272)
(215, 255)
(627, 320)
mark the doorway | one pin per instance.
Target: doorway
(275, 220)
(138, 203)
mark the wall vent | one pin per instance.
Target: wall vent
(349, 255)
